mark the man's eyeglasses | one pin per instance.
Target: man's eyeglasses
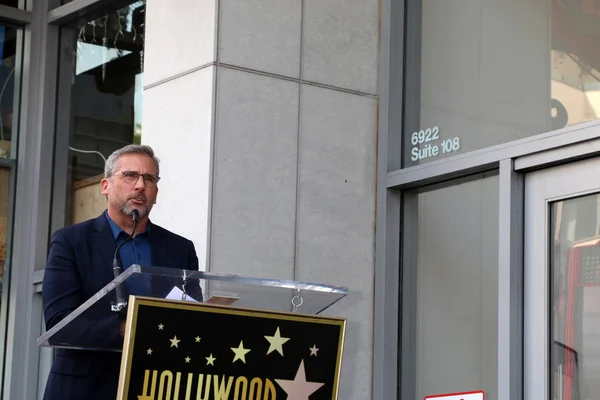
(131, 178)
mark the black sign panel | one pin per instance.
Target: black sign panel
(183, 351)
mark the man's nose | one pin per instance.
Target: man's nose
(139, 184)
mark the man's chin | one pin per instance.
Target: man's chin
(142, 211)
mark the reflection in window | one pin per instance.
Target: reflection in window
(575, 63)
(575, 308)
(9, 107)
(8, 116)
(456, 339)
(4, 200)
(495, 71)
(106, 102)
(12, 3)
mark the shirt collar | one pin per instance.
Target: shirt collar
(116, 231)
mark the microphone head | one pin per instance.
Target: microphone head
(135, 214)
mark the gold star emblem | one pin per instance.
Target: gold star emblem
(240, 353)
(210, 360)
(298, 389)
(187, 360)
(175, 342)
(276, 342)
(313, 350)
(161, 327)
(149, 352)
(197, 339)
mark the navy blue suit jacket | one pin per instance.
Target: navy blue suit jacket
(79, 265)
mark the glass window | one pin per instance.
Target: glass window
(488, 72)
(575, 315)
(454, 334)
(4, 200)
(106, 102)
(9, 90)
(13, 3)
(10, 71)
(11, 40)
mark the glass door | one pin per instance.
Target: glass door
(562, 283)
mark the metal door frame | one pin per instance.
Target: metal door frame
(513, 162)
(542, 188)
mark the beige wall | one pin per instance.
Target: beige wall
(86, 200)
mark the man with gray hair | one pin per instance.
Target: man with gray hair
(80, 264)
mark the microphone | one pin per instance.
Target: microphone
(118, 268)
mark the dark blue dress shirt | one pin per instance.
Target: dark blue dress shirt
(136, 251)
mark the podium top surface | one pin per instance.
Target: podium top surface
(95, 324)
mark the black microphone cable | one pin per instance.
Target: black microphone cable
(118, 267)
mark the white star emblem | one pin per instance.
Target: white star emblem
(240, 353)
(313, 350)
(187, 360)
(175, 341)
(197, 339)
(276, 342)
(210, 360)
(161, 327)
(149, 352)
(299, 389)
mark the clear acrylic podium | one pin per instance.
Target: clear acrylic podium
(84, 328)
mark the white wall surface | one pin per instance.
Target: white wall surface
(178, 112)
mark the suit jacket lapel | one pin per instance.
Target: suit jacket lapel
(158, 245)
(104, 240)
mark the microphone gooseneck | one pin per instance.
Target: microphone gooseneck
(135, 214)
(118, 267)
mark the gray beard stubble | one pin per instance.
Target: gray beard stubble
(128, 210)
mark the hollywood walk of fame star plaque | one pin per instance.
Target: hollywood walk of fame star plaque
(182, 350)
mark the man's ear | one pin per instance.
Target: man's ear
(104, 183)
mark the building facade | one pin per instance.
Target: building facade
(436, 157)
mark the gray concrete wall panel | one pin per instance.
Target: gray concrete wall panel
(262, 35)
(336, 216)
(255, 175)
(340, 43)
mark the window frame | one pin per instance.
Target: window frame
(32, 174)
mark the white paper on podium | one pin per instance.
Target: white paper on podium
(176, 294)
